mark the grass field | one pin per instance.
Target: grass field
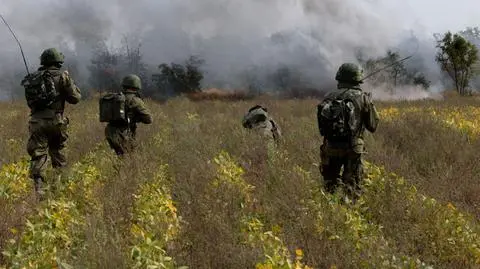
(202, 192)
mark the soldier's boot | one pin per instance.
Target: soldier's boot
(353, 192)
(331, 185)
(39, 187)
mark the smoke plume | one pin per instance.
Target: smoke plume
(311, 36)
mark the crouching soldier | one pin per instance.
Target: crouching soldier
(258, 120)
(123, 111)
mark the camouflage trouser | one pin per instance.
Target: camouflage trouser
(332, 162)
(120, 139)
(47, 136)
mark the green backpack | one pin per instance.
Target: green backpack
(113, 108)
(40, 91)
(337, 118)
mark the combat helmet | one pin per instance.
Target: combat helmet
(51, 56)
(132, 82)
(349, 73)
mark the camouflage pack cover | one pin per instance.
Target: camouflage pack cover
(40, 91)
(113, 109)
(338, 117)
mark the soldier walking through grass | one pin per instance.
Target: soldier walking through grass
(120, 133)
(343, 116)
(46, 92)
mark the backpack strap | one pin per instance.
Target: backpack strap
(343, 93)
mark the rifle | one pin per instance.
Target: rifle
(392, 64)
(18, 42)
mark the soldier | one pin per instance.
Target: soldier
(343, 116)
(121, 137)
(258, 119)
(48, 125)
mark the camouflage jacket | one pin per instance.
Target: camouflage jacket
(136, 109)
(367, 113)
(68, 92)
(259, 121)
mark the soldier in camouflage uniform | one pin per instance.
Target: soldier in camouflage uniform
(347, 154)
(48, 127)
(257, 119)
(121, 138)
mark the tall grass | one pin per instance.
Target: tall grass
(273, 214)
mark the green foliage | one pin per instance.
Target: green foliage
(340, 222)
(420, 79)
(155, 224)
(175, 79)
(438, 232)
(55, 229)
(14, 181)
(457, 56)
(264, 208)
(275, 252)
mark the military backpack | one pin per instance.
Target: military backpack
(40, 91)
(337, 118)
(113, 108)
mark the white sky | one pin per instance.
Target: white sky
(442, 15)
(434, 15)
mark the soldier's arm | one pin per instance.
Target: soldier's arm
(246, 122)
(71, 91)
(370, 114)
(140, 111)
(319, 110)
(276, 130)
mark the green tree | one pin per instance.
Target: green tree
(175, 79)
(456, 57)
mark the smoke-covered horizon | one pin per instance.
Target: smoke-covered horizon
(314, 37)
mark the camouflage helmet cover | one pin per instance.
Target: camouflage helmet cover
(349, 72)
(132, 81)
(51, 56)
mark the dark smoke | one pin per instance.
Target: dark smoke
(235, 38)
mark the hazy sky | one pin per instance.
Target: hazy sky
(431, 15)
(442, 15)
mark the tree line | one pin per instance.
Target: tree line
(456, 55)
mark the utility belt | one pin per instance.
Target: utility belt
(119, 124)
(50, 114)
(123, 125)
(340, 149)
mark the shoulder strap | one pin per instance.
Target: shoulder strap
(343, 93)
(337, 96)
